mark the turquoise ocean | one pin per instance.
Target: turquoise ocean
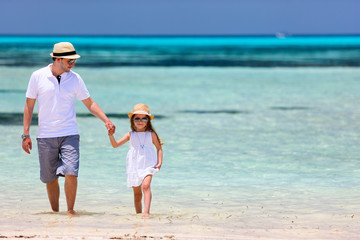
(259, 133)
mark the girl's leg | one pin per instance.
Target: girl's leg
(147, 195)
(137, 199)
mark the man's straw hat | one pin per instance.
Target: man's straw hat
(64, 50)
(141, 109)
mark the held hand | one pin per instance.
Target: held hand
(111, 132)
(110, 127)
(27, 145)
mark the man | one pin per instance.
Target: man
(55, 87)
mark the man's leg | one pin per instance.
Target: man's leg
(70, 192)
(53, 191)
(69, 168)
(49, 159)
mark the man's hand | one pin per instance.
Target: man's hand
(110, 127)
(111, 132)
(27, 145)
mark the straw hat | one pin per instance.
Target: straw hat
(141, 109)
(64, 50)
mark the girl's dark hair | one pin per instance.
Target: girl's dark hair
(149, 127)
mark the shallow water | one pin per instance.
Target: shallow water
(245, 148)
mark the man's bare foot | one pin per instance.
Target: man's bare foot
(72, 213)
(145, 216)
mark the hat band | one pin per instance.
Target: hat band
(64, 54)
(142, 112)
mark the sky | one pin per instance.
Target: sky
(179, 17)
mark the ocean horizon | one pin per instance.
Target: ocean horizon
(221, 51)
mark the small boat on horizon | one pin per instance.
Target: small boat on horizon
(282, 35)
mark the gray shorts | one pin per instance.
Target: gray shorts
(58, 156)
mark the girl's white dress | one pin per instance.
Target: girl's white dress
(141, 159)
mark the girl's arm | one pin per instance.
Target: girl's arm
(119, 142)
(159, 149)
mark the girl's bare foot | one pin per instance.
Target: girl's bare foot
(145, 216)
(72, 213)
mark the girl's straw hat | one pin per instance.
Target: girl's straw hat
(64, 50)
(141, 109)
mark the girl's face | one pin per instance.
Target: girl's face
(140, 121)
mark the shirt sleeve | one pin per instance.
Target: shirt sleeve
(82, 92)
(32, 90)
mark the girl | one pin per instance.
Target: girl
(142, 162)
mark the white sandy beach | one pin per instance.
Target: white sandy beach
(183, 232)
(255, 223)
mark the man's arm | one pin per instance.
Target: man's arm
(28, 113)
(97, 112)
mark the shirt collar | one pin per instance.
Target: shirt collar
(63, 75)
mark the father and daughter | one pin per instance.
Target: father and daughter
(56, 87)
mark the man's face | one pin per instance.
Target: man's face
(67, 64)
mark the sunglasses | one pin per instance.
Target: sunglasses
(144, 119)
(71, 62)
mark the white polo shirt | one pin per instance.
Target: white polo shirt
(56, 102)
